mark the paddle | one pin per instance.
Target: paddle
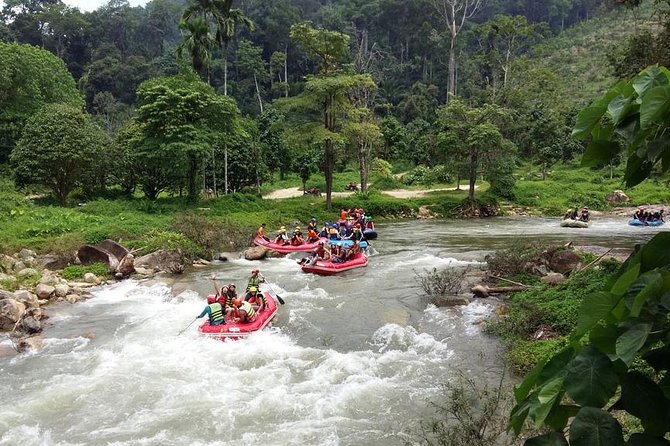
(281, 301)
(187, 326)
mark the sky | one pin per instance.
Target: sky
(91, 5)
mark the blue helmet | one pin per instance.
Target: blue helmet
(335, 225)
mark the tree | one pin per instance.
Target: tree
(198, 44)
(183, 116)
(364, 135)
(617, 358)
(274, 147)
(59, 146)
(455, 13)
(326, 91)
(29, 79)
(227, 18)
(472, 136)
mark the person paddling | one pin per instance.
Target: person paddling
(261, 233)
(254, 281)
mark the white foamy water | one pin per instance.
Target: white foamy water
(354, 359)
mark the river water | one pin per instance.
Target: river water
(354, 359)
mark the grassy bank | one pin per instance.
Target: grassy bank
(538, 321)
(569, 185)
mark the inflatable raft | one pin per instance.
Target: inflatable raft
(370, 234)
(569, 223)
(286, 249)
(231, 330)
(347, 243)
(328, 268)
(636, 222)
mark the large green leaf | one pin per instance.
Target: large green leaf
(625, 280)
(591, 378)
(550, 439)
(599, 152)
(521, 391)
(656, 253)
(559, 416)
(637, 170)
(518, 416)
(556, 365)
(595, 427)
(630, 342)
(659, 358)
(647, 287)
(594, 308)
(619, 108)
(655, 106)
(644, 399)
(604, 337)
(587, 119)
(646, 440)
(657, 148)
(650, 78)
(548, 396)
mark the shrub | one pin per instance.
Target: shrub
(512, 261)
(156, 240)
(445, 281)
(77, 272)
(385, 183)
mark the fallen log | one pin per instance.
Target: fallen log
(484, 291)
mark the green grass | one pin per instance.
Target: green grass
(568, 186)
(77, 272)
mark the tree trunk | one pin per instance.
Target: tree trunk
(258, 94)
(225, 70)
(225, 169)
(192, 188)
(286, 70)
(216, 192)
(329, 162)
(363, 166)
(473, 176)
(452, 66)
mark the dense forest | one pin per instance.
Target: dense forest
(179, 95)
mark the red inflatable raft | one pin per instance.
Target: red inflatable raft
(286, 249)
(328, 268)
(231, 330)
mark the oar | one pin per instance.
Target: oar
(187, 326)
(281, 301)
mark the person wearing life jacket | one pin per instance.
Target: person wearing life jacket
(256, 299)
(322, 252)
(324, 229)
(245, 311)
(261, 232)
(254, 281)
(333, 232)
(357, 234)
(312, 236)
(214, 310)
(585, 215)
(296, 239)
(282, 238)
(343, 214)
(368, 223)
(312, 224)
(353, 251)
(336, 254)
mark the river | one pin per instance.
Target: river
(350, 360)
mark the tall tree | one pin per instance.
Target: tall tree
(227, 18)
(326, 91)
(29, 78)
(59, 146)
(454, 13)
(183, 115)
(198, 44)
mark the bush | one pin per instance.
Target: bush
(445, 281)
(77, 272)
(524, 355)
(512, 261)
(385, 183)
(156, 240)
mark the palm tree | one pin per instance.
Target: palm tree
(226, 18)
(198, 44)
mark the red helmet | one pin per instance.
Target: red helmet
(255, 270)
(237, 302)
(211, 299)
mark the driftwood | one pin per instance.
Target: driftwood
(484, 291)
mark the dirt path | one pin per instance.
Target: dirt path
(397, 193)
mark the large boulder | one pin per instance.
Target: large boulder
(31, 325)
(565, 262)
(618, 196)
(52, 261)
(44, 291)
(554, 279)
(163, 260)
(7, 263)
(114, 248)
(33, 343)
(88, 254)
(126, 265)
(255, 253)
(11, 311)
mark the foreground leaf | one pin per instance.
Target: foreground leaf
(595, 427)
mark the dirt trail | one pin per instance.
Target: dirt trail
(397, 193)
